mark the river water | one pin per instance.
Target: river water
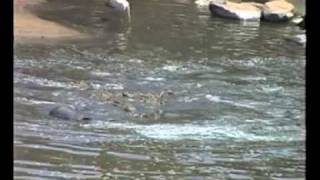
(233, 104)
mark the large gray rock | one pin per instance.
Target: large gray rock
(240, 11)
(67, 113)
(277, 11)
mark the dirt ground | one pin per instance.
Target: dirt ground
(28, 27)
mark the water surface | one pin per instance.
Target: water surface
(236, 112)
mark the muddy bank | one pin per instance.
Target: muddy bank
(30, 28)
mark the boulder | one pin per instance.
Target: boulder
(205, 3)
(240, 11)
(298, 21)
(257, 5)
(202, 3)
(277, 11)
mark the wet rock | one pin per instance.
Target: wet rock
(299, 21)
(202, 3)
(277, 11)
(257, 5)
(240, 11)
(66, 113)
(205, 3)
(259, 1)
(296, 20)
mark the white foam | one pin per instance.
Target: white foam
(272, 89)
(30, 101)
(251, 78)
(154, 79)
(99, 73)
(213, 98)
(48, 83)
(196, 132)
(107, 86)
(218, 99)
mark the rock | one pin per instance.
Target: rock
(67, 113)
(257, 5)
(205, 3)
(261, 1)
(241, 11)
(298, 21)
(202, 3)
(277, 11)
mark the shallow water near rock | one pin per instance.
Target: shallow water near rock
(236, 110)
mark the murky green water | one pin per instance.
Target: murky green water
(236, 112)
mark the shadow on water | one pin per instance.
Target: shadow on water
(236, 110)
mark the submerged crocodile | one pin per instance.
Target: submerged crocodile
(67, 113)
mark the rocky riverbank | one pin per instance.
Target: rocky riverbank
(272, 10)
